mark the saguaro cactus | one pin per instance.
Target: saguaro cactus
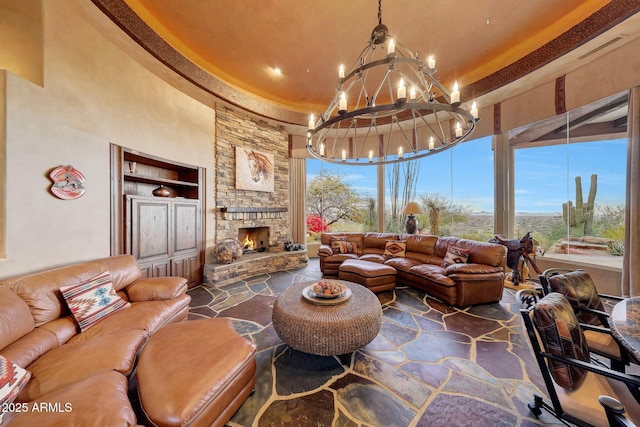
(580, 216)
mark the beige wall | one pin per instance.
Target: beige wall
(93, 94)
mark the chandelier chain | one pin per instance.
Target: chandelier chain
(379, 12)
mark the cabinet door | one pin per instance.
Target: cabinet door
(186, 226)
(150, 224)
(159, 268)
(187, 266)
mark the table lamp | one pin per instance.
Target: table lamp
(411, 224)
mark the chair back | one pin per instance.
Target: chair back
(579, 289)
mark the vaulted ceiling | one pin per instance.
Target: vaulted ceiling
(231, 48)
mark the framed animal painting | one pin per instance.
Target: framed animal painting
(254, 170)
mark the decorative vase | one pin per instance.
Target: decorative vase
(161, 192)
(227, 251)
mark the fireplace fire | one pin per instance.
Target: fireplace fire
(254, 239)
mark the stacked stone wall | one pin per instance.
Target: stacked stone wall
(235, 129)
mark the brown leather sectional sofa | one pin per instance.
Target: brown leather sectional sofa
(479, 280)
(86, 378)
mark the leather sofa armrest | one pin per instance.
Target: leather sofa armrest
(156, 288)
(471, 268)
(325, 250)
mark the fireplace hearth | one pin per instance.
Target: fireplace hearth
(254, 239)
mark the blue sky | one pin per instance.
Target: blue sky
(545, 176)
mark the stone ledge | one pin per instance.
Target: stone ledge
(253, 265)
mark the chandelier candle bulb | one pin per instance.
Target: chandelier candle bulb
(343, 102)
(474, 110)
(321, 149)
(458, 130)
(412, 92)
(455, 94)
(371, 155)
(431, 146)
(402, 91)
(400, 153)
(431, 62)
(312, 122)
(344, 155)
(341, 72)
(391, 48)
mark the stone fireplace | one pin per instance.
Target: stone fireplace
(264, 212)
(238, 209)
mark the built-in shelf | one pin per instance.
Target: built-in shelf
(155, 180)
(165, 234)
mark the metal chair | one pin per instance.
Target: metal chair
(581, 292)
(581, 392)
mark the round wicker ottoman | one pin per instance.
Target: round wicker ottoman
(327, 330)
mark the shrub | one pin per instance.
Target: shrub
(316, 224)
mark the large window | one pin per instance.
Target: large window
(454, 190)
(572, 196)
(570, 187)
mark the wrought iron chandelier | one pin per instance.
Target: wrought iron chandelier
(372, 121)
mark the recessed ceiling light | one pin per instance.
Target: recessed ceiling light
(277, 71)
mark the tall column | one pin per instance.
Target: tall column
(630, 285)
(503, 173)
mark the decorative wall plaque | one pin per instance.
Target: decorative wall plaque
(67, 182)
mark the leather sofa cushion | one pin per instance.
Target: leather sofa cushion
(100, 400)
(480, 252)
(72, 362)
(147, 316)
(41, 291)
(124, 270)
(157, 288)
(325, 238)
(403, 263)
(422, 244)
(378, 240)
(15, 317)
(374, 257)
(31, 346)
(432, 272)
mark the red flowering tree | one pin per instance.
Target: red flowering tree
(316, 224)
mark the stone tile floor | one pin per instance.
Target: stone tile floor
(430, 365)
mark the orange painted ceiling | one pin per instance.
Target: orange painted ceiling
(241, 41)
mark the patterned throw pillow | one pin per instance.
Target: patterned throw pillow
(395, 248)
(344, 247)
(455, 255)
(92, 300)
(12, 380)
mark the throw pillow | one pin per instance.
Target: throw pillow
(344, 247)
(455, 255)
(395, 248)
(92, 300)
(13, 378)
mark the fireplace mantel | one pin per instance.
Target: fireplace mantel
(232, 209)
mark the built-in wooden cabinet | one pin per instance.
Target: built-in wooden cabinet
(164, 234)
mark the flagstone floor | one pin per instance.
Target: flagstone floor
(430, 365)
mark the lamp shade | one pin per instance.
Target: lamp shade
(411, 208)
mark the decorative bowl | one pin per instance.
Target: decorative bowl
(328, 289)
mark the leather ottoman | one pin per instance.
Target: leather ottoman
(375, 276)
(195, 373)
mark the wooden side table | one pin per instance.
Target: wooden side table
(327, 330)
